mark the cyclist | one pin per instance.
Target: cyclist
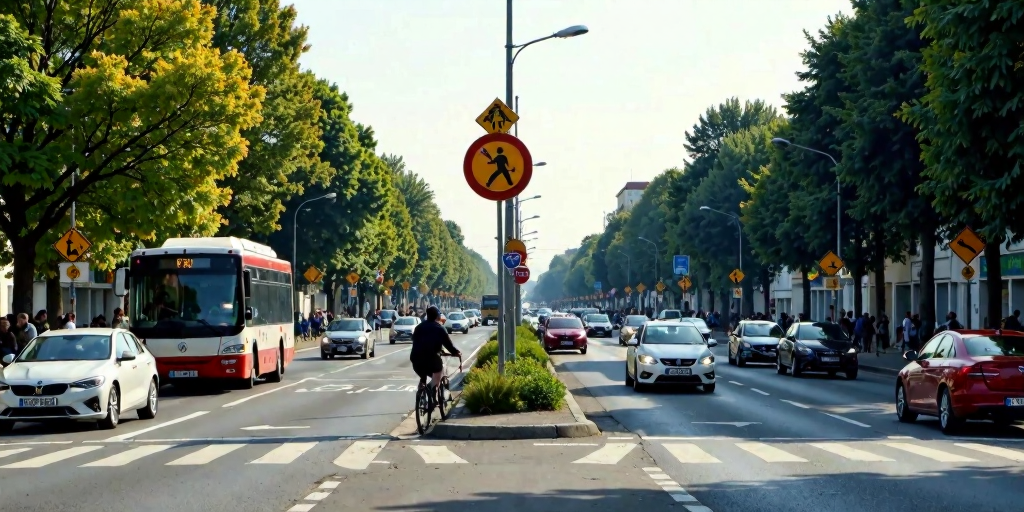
(428, 339)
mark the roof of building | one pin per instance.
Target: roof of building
(633, 185)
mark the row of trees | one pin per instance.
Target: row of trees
(919, 101)
(165, 118)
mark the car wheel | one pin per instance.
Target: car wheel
(466, 331)
(903, 412)
(323, 355)
(392, 342)
(851, 374)
(113, 410)
(629, 380)
(152, 400)
(948, 420)
(637, 385)
(739, 359)
(583, 351)
(709, 388)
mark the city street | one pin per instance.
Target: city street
(257, 449)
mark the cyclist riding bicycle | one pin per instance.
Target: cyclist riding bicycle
(428, 340)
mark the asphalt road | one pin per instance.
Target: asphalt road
(257, 449)
(765, 441)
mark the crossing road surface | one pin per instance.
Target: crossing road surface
(255, 449)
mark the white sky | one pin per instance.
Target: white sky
(601, 109)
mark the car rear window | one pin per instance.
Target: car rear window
(772, 330)
(636, 320)
(671, 314)
(565, 323)
(980, 346)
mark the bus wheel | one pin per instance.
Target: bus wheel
(275, 376)
(254, 373)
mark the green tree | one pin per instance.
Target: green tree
(130, 100)
(970, 127)
(549, 283)
(284, 146)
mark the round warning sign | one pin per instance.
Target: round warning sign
(517, 246)
(498, 166)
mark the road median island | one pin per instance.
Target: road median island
(528, 402)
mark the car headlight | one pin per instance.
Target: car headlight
(803, 350)
(646, 359)
(233, 349)
(91, 382)
(4, 386)
(851, 351)
(708, 360)
(325, 340)
(362, 339)
(745, 344)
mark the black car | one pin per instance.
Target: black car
(755, 341)
(817, 347)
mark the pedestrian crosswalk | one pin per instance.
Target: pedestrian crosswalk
(362, 453)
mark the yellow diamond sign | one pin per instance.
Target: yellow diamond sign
(640, 288)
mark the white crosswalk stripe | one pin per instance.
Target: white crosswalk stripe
(50, 458)
(851, 453)
(205, 455)
(769, 453)
(129, 456)
(285, 454)
(1006, 453)
(438, 454)
(689, 453)
(930, 453)
(13, 451)
(610, 453)
(360, 454)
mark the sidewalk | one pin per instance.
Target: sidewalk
(889, 363)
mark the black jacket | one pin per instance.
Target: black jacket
(428, 338)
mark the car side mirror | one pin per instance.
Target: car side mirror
(712, 342)
(369, 330)
(8, 359)
(249, 313)
(910, 355)
(126, 356)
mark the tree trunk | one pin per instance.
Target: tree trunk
(54, 297)
(329, 285)
(927, 305)
(711, 300)
(858, 292)
(24, 252)
(766, 283)
(879, 258)
(994, 284)
(747, 301)
(806, 292)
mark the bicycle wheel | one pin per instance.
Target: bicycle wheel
(444, 396)
(422, 410)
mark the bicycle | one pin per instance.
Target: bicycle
(428, 396)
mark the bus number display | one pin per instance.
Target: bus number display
(185, 262)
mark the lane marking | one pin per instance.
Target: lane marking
(930, 453)
(663, 476)
(330, 484)
(50, 458)
(676, 492)
(128, 456)
(265, 393)
(269, 439)
(798, 404)
(1005, 453)
(302, 507)
(284, 454)
(8, 453)
(437, 454)
(35, 442)
(683, 498)
(205, 455)
(848, 420)
(610, 453)
(688, 453)
(755, 390)
(316, 496)
(360, 454)
(848, 452)
(175, 421)
(652, 470)
(769, 453)
(736, 383)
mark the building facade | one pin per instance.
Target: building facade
(630, 195)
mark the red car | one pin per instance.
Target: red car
(961, 375)
(565, 333)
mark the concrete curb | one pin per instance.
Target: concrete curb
(879, 369)
(582, 427)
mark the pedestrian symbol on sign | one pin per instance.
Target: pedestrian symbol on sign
(501, 162)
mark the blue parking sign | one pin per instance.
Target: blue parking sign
(681, 265)
(597, 286)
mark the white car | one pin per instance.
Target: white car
(348, 337)
(598, 325)
(92, 374)
(474, 318)
(670, 353)
(402, 329)
(457, 322)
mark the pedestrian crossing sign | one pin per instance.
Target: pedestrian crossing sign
(966, 245)
(498, 166)
(497, 117)
(831, 264)
(72, 245)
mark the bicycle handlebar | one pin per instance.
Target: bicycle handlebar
(446, 354)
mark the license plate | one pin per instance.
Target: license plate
(38, 402)
(341, 350)
(677, 371)
(567, 343)
(1015, 402)
(183, 374)
(830, 359)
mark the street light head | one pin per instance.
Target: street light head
(705, 208)
(573, 31)
(540, 164)
(332, 195)
(780, 143)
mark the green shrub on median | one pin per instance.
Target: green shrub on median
(526, 386)
(527, 347)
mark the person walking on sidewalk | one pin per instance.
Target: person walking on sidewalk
(1012, 322)
(908, 325)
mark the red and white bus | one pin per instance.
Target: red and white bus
(212, 308)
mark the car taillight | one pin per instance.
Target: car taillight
(978, 371)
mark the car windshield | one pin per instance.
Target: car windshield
(670, 313)
(388, 314)
(456, 316)
(980, 346)
(565, 323)
(697, 322)
(470, 314)
(636, 320)
(67, 347)
(768, 330)
(346, 324)
(405, 321)
(672, 335)
(544, 312)
(601, 319)
(823, 331)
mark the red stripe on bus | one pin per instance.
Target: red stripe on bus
(257, 260)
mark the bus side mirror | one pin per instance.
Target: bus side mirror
(247, 289)
(121, 282)
(248, 313)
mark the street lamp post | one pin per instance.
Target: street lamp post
(783, 144)
(517, 297)
(739, 231)
(506, 333)
(656, 273)
(295, 233)
(629, 266)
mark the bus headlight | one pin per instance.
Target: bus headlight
(233, 349)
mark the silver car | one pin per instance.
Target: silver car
(348, 337)
(670, 353)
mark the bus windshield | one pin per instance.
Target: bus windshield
(180, 297)
(489, 302)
